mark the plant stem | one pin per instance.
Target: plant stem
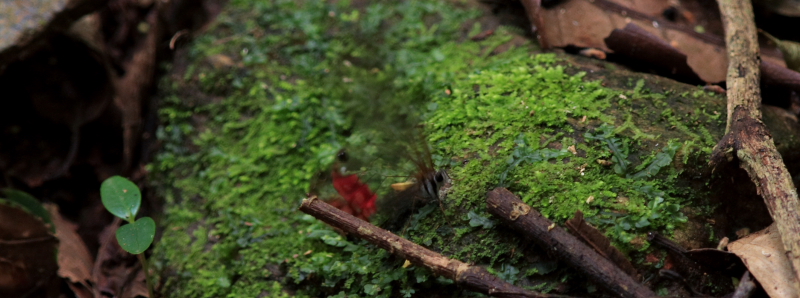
(146, 274)
(143, 260)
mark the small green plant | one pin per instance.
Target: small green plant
(524, 153)
(122, 198)
(619, 148)
(662, 159)
(656, 213)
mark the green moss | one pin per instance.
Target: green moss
(244, 140)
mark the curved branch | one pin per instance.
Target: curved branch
(747, 138)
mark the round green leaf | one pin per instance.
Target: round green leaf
(121, 197)
(136, 237)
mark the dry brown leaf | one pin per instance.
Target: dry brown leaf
(764, 255)
(74, 260)
(586, 23)
(137, 287)
(600, 243)
(117, 273)
(641, 45)
(28, 252)
(582, 23)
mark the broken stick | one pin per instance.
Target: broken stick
(521, 217)
(746, 137)
(474, 278)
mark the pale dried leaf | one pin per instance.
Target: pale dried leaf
(764, 255)
(74, 260)
(586, 23)
(639, 44)
(137, 287)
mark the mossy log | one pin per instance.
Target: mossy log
(258, 128)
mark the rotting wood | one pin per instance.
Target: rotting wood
(747, 138)
(474, 278)
(505, 205)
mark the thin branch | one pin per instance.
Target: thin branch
(521, 217)
(747, 138)
(471, 277)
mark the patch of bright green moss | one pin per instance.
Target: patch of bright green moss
(244, 140)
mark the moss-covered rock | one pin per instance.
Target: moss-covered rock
(261, 103)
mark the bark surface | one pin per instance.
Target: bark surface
(747, 138)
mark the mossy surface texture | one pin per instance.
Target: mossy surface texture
(275, 89)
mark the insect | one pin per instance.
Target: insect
(358, 196)
(423, 189)
(355, 196)
(362, 184)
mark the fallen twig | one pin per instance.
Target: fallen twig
(747, 138)
(566, 247)
(471, 277)
(600, 243)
